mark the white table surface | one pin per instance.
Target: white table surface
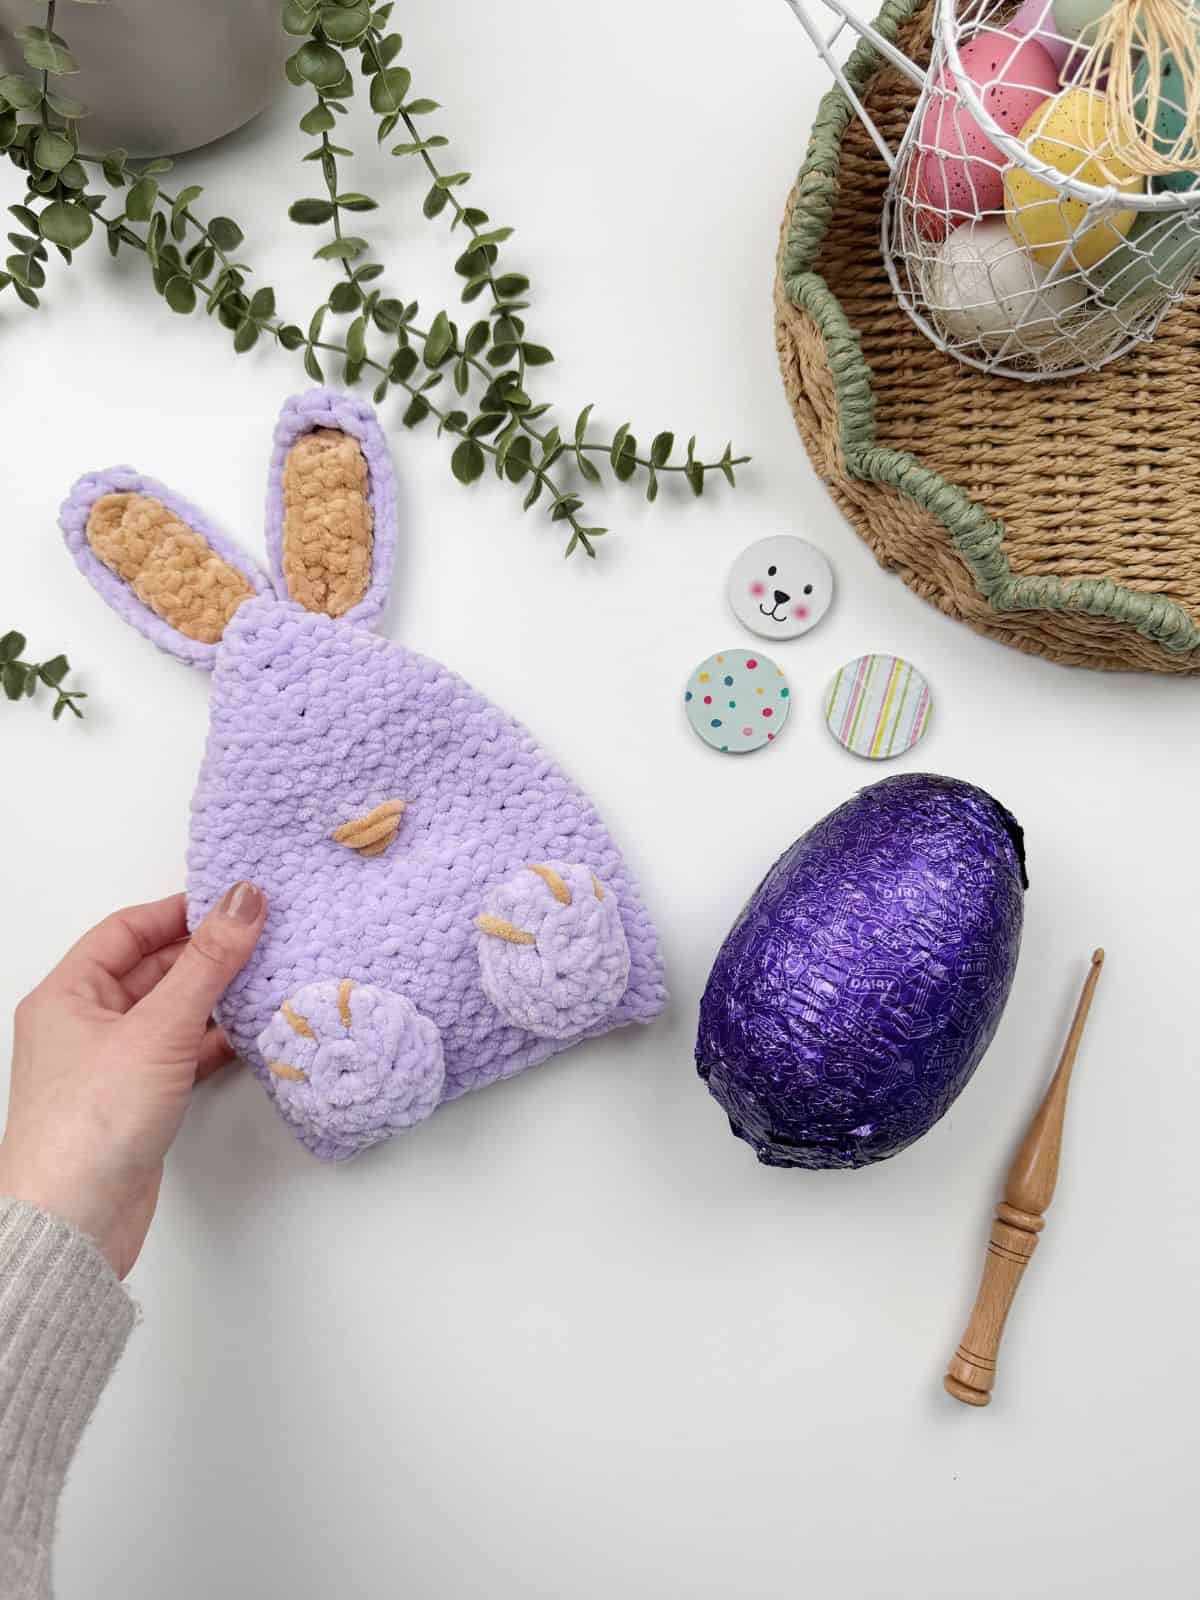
(568, 1338)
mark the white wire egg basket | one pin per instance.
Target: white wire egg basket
(1026, 230)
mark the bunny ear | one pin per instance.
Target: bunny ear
(331, 507)
(157, 562)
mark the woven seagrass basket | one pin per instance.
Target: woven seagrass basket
(1062, 517)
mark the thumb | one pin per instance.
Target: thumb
(214, 955)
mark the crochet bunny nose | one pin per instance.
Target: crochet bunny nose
(351, 1065)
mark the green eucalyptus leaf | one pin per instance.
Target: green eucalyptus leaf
(262, 304)
(112, 164)
(418, 410)
(246, 335)
(312, 366)
(402, 365)
(290, 336)
(340, 250)
(357, 202)
(421, 108)
(356, 339)
(11, 645)
(44, 53)
(180, 294)
(414, 147)
(52, 151)
(468, 461)
(438, 340)
(64, 106)
(319, 120)
(435, 201)
(388, 315)
(66, 224)
(299, 18)
(139, 204)
(660, 449)
(345, 24)
(12, 677)
(388, 89)
(343, 297)
(225, 234)
(311, 212)
(388, 48)
(20, 92)
(320, 64)
(73, 176)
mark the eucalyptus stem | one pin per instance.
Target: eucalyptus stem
(192, 261)
(21, 680)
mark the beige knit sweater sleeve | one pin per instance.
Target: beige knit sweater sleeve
(64, 1320)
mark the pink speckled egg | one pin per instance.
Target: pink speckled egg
(960, 166)
(915, 207)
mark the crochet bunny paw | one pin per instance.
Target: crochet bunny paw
(351, 1065)
(553, 956)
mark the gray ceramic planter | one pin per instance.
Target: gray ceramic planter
(161, 76)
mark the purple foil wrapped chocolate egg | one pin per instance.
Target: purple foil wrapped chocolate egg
(860, 986)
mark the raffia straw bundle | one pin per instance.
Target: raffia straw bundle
(1158, 31)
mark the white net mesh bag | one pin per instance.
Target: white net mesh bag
(1043, 210)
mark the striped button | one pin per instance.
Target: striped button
(877, 706)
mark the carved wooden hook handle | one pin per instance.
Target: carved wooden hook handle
(1014, 1236)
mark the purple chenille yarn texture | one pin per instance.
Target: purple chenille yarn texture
(314, 722)
(862, 983)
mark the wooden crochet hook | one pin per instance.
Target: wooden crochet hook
(1018, 1221)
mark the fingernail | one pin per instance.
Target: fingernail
(244, 902)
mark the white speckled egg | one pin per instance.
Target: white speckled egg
(981, 285)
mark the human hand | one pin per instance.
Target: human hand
(106, 1051)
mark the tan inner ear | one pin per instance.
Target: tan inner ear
(327, 527)
(169, 566)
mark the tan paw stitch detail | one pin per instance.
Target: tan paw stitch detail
(169, 566)
(295, 1021)
(371, 834)
(498, 928)
(343, 1000)
(327, 524)
(554, 883)
(281, 1069)
(298, 1024)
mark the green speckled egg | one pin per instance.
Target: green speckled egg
(1161, 255)
(1074, 18)
(1168, 122)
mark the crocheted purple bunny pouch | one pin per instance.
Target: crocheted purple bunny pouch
(446, 907)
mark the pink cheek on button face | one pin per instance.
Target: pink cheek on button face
(800, 611)
(757, 589)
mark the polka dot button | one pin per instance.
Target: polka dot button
(737, 701)
(780, 587)
(877, 706)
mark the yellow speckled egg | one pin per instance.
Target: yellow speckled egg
(1069, 134)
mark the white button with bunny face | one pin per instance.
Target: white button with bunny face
(780, 587)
